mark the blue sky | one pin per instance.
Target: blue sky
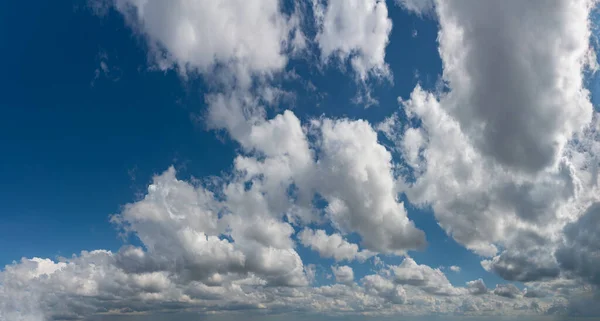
(101, 98)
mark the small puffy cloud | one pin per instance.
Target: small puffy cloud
(343, 274)
(454, 268)
(246, 37)
(333, 246)
(356, 31)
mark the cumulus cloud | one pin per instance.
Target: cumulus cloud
(360, 192)
(384, 288)
(507, 291)
(332, 246)
(198, 36)
(523, 115)
(96, 283)
(529, 259)
(343, 274)
(505, 153)
(354, 31)
(580, 252)
(365, 201)
(477, 287)
(430, 280)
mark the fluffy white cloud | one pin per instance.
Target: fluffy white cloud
(344, 164)
(180, 226)
(343, 274)
(430, 280)
(332, 246)
(201, 36)
(358, 183)
(454, 268)
(354, 30)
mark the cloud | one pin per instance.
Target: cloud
(430, 280)
(332, 246)
(384, 288)
(580, 252)
(343, 274)
(507, 290)
(95, 282)
(360, 191)
(477, 287)
(524, 114)
(454, 268)
(529, 259)
(366, 200)
(507, 148)
(354, 31)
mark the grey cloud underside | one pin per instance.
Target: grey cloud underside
(580, 252)
(515, 75)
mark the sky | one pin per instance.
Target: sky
(299, 160)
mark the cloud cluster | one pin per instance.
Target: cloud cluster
(98, 282)
(505, 157)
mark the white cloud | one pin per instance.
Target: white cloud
(454, 268)
(500, 154)
(332, 246)
(430, 280)
(94, 282)
(198, 36)
(354, 30)
(360, 189)
(477, 287)
(343, 274)
(382, 287)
